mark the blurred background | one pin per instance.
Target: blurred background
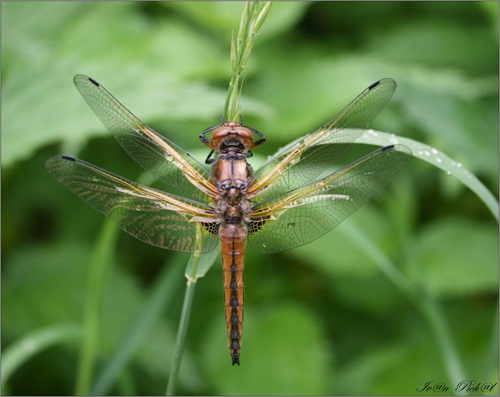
(321, 319)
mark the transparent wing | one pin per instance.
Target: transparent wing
(307, 213)
(305, 159)
(152, 216)
(165, 160)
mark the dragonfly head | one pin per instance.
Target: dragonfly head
(229, 135)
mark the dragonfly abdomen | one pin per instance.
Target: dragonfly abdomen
(232, 238)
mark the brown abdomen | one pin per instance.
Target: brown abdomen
(232, 239)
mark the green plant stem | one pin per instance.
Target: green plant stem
(98, 272)
(421, 298)
(197, 267)
(183, 327)
(252, 18)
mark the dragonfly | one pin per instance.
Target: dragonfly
(293, 199)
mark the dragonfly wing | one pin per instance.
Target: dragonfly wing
(304, 214)
(305, 159)
(158, 155)
(152, 216)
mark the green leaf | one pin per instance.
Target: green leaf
(437, 159)
(197, 268)
(459, 257)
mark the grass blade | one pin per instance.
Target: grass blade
(437, 159)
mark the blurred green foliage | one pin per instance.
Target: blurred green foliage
(321, 319)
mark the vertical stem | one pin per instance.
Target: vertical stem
(197, 267)
(183, 327)
(252, 18)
